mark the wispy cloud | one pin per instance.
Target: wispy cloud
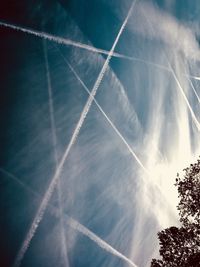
(167, 29)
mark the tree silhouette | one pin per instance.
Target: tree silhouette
(180, 247)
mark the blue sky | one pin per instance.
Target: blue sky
(90, 181)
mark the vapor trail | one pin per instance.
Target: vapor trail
(195, 77)
(73, 223)
(106, 116)
(40, 213)
(60, 40)
(195, 92)
(184, 96)
(54, 140)
(104, 245)
(68, 42)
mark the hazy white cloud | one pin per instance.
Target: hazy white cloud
(151, 22)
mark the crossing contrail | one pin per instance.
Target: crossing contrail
(157, 186)
(106, 116)
(68, 42)
(42, 208)
(60, 40)
(54, 141)
(73, 223)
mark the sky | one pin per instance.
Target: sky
(99, 110)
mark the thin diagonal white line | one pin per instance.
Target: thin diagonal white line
(195, 92)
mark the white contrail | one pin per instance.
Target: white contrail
(195, 92)
(195, 77)
(106, 116)
(104, 245)
(60, 40)
(184, 96)
(40, 213)
(68, 42)
(99, 79)
(73, 223)
(54, 140)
